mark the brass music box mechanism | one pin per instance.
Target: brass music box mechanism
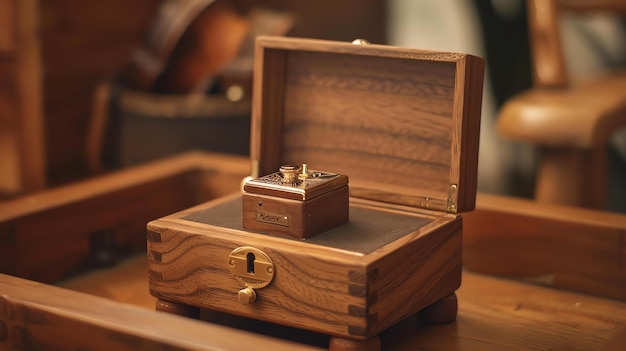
(295, 201)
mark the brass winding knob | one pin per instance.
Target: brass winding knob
(246, 296)
(289, 173)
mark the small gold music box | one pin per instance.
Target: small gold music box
(295, 201)
(404, 125)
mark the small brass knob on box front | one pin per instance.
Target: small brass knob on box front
(246, 296)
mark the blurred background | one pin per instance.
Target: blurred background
(91, 87)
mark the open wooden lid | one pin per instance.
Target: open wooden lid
(403, 124)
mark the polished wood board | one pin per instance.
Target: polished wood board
(560, 246)
(34, 316)
(498, 235)
(495, 314)
(46, 236)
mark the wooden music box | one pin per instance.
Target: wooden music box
(403, 125)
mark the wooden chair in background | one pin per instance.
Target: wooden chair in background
(570, 122)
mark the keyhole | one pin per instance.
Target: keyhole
(250, 262)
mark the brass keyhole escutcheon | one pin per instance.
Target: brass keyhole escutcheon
(251, 266)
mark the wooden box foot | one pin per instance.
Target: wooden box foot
(341, 344)
(442, 311)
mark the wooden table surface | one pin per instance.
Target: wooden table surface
(494, 314)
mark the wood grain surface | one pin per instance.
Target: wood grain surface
(506, 236)
(188, 263)
(46, 236)
(35, 316)
(533, 240)
(564, 247)
(494, 315)
(322, 288)
(381, 115)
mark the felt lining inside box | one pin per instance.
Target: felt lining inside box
(368, 229)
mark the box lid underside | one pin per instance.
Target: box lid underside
(402, 124)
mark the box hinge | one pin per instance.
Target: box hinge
(452, 198)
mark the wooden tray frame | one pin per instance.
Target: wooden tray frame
(578, 249)
(505, 236)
